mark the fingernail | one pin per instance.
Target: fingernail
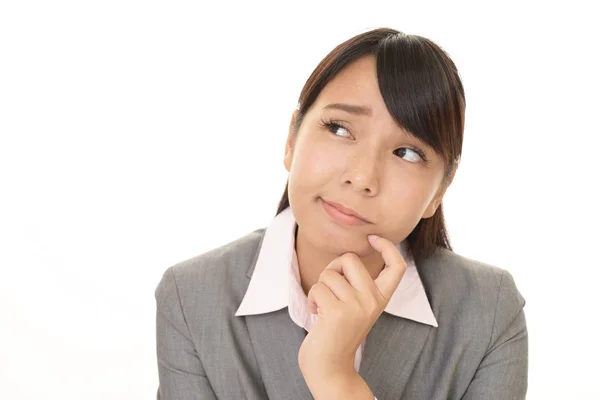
(372, 238)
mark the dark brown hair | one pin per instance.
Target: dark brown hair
(422, 90)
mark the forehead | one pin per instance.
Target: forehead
(356, 84)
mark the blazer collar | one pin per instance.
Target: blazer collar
(270, 276)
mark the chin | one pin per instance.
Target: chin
(329, 235)
(338, 239)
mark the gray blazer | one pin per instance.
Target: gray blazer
(478, 351)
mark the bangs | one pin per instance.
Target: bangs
(418, 87)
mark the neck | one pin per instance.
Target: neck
(312, 260)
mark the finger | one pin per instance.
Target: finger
(339, 286)
(320, 296)
(395, 266)
(354, 271)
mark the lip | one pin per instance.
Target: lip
(345, 215)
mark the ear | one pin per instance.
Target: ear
(437, 200)
(290, 143)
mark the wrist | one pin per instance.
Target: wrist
(343, 385)
(341, 370)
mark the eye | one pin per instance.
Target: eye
(336, 129)
(414, 155)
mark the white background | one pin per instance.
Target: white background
(137, 134)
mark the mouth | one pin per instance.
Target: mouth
(342, 214)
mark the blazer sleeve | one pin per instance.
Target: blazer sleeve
(180, 371)
(502, 373)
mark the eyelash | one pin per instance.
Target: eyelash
(328, 124)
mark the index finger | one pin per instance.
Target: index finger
(395, 266)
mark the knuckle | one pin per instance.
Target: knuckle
(316, 288)
(327, 275)
(349, 257)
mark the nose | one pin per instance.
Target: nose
(362, 173)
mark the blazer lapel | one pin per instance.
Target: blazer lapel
(391, 350)
(276, 340)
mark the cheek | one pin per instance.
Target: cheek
(406, 200)
(312, 163)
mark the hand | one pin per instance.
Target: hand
(348, 302)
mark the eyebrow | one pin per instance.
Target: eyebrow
(349, 108)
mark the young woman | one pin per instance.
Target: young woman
(353, 290)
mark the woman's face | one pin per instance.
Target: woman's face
(360, 158)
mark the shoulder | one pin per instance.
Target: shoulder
(235, 254)
(446, 271)
(464, 289)
(207, 273)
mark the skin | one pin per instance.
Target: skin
(366, 164)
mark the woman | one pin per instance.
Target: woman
(357, 256)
